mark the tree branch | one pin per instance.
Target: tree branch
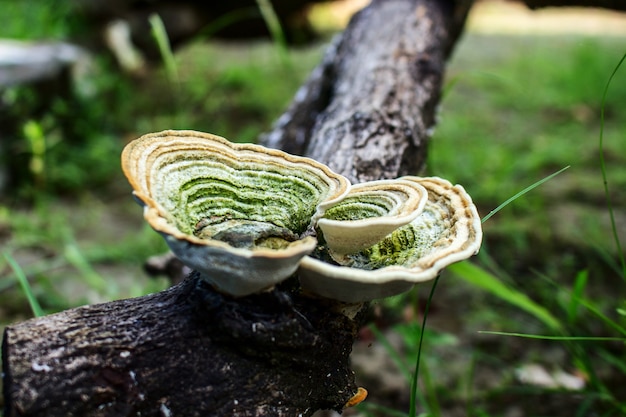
(188, 350)
(368, 110)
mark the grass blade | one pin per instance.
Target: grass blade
(521, 193)
(414, 381)
(76, 258)
(21, 278)
(483, 279)
(580, 283)
(561, 338)
(589, 305)
(165, 49)
(605, 180)
(276, 30)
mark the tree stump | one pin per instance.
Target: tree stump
(366, 111)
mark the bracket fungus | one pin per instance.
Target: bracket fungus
(368, 213)
(446, 231)
(248, 217)
(237, 213)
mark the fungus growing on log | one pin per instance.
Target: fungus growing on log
(245, 217)
(236, 213)
(448, 230)
(368, 213)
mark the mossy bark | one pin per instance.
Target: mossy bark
(367, 112)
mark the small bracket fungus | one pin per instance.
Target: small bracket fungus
(446, 231)
(237, 213)
(368, 213)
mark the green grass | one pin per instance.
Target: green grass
(71, 218)
(25, 285)
(526, 117)
(34, 20)
(605, 181)
(506, 122)
(160, 36)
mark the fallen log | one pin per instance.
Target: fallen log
(184, 351)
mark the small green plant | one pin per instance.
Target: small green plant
(26, 288)
(566, 329)
(34, 134)
(571, 309)
(165, 49)
(275, 28)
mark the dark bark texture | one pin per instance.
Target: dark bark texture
(368, 110)
(189, 351)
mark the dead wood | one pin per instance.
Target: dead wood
(368, 110)
(187, 351)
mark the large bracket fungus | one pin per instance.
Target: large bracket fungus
(247, 217)
(237, 213)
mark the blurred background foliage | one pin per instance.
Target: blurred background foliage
(516, 108)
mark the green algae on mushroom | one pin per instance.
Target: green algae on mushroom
(237, 213)
(448, 230)
(368, 213)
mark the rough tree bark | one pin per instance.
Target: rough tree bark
(368, 109)
(367, 112)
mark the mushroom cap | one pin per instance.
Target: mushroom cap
(368, 213)
(448, 230)
(237, 213)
